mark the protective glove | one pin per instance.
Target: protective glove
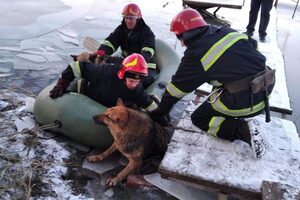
(155, 98)
(59, 89)
(97, 57)
(116, 60)
(158, 116)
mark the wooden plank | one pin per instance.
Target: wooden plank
(204, 4)
(209, 185)
(195, 158)
(277, 191)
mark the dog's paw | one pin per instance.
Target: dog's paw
(83, 57)
(95, 158)
(111, 182)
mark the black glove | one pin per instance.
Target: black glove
(59, 89)
(155, 98)
(158, 116)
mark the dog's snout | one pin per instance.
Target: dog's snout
(95, 118)
(98, 120)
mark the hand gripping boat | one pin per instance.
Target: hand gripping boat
(75, 111)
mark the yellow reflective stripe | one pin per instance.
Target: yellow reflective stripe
(79, 83)
(151, 50)
(220, 107)
(151, 65)
(214, 125)
(109, 44)
(215, 83)
(152, 106)
(76, 69)
(174, 91)
(217, 50)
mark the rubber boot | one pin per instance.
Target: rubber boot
(249, 133)
(258, 144)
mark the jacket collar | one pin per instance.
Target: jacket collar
(190, 35)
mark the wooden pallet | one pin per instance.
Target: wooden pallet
(203, 161)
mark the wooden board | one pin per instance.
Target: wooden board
(195, 158)
(277, 191)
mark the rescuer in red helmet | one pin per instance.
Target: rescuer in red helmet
(108, 82)
(230, 62)
(133, 35)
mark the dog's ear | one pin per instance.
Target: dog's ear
(122, 117)
(120, 102)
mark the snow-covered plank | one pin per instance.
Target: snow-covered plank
(230, 167)
(271, 191)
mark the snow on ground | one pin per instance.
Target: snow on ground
(28, 163)
(36, 39)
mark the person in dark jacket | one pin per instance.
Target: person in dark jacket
(229, 61)
(133, 36)
(107, 82)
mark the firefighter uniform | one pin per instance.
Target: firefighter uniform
(140, 39)
(219, 56)
(104, 85)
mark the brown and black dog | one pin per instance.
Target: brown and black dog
(135, 135)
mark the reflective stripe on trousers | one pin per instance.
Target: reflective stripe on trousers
(214, 125)
(220, 107)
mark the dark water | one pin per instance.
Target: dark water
(288, 41)
(26, 81)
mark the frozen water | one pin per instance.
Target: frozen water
(69, 39)
(24, 123)
(6, 67)
(33, 58)
(3, 105)
(179, 190)
(89, 17)
(68, 32)
(34, 19)
(102, 166)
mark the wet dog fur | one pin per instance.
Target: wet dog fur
(135, 135)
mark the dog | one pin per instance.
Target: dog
(135, 135)
(94, 58)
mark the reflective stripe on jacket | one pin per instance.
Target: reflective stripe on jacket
(105, 87)
(216, 55)
(138, 40)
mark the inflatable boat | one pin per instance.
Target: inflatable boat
(75, 111)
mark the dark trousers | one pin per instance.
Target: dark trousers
(228, 127)
(266, 6)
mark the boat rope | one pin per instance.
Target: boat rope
(55, 124)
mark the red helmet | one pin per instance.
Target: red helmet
(186, 20)
(132, 10)
(135, 64)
